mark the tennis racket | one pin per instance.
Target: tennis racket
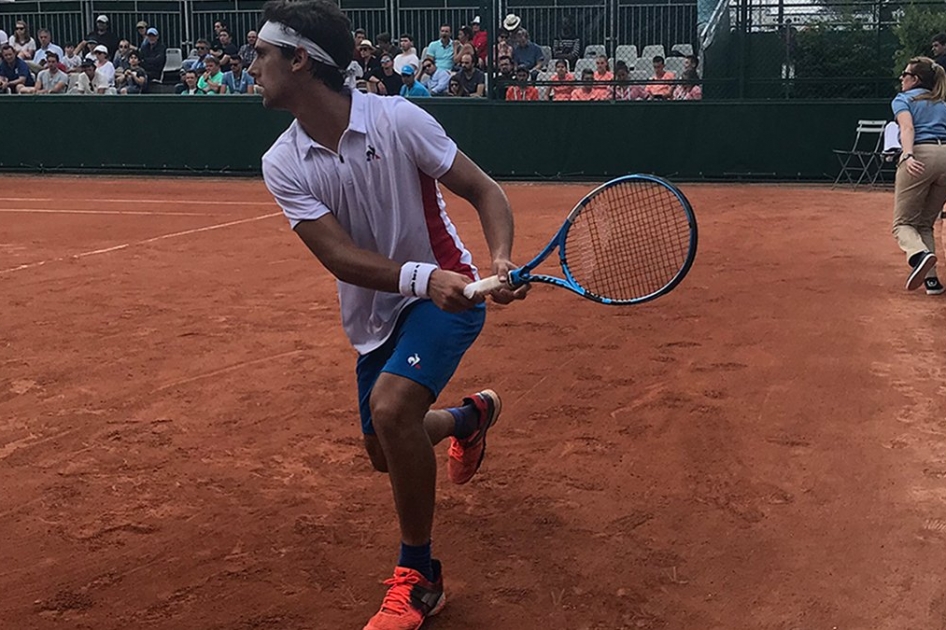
(628, 241)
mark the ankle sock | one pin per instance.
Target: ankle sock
(467, 418)
(417, 558)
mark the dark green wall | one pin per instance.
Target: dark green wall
(683, 140)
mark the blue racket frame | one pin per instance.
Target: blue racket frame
(522, 275)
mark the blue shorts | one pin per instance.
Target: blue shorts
(425, 347)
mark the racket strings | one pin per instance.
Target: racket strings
(629, 241)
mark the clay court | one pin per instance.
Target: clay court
(764, 448)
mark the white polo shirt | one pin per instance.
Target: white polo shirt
(381, 186)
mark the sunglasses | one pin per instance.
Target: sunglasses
(201, 48)
(907, 74)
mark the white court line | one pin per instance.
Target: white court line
(144, 242)
(178, 202)
(130, 212)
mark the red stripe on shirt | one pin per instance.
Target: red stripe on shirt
(441, 241)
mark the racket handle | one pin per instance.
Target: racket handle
(482, 287)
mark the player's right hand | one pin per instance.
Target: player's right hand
(445, 288)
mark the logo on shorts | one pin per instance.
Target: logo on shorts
(414, 361)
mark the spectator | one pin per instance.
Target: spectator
(522, 91)
(939, 49)
(788, 35)
(22, 43)
(567, 45)
(527, 54)
(366, 59)
(45, 45)
(142, 28)
(135, 79)
(360, 36)
(103, 35)
(383, 45)
(225, 50)
(52, 80)
(219, 27)
(472, 80)
(411, 86)
(480, 42)
(433, 78)
(443, 49)
(690, 89)
(625, 91)
(70, 59)
(464, 46)
(190, 87)
(562, 76)
(503, 48)
(658, 89)
(198, 57)
(454, 88)
(385, 80)
(587, 92)
(85, 47)
(603, 77)
(247, 51)
(211, 81)
(4, 38)
(104, 82)
(85, 82)
(120, 60)
(153, 55)
(408, 54)
(511, 26)
(505, 77)
(237, 80)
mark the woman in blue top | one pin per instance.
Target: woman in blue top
(920, 188)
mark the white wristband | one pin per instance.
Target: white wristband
(414, 279)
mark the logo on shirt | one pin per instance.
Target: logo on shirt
(372, 154)
(414, 361)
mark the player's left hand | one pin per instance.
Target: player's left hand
(501, 268)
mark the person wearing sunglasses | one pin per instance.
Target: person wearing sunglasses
(920, 184)
(197, 57)
(433, 78)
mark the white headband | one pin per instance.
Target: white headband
(281, 35)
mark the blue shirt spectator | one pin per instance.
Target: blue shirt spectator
(433, 78)
(411, 86)
(527, 53)
(929, 116)
(237, 80)
(12, 68)
(443, 49)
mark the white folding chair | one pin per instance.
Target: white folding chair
(859, 161)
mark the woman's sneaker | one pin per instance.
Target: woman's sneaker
(933, 286)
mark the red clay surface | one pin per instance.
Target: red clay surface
(179, 447)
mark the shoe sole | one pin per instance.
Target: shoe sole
(916, 278)
(935, 291)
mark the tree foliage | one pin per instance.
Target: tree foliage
(915, 30)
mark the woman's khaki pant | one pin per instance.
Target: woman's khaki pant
(918, 201)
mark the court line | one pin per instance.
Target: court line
(141, 201)
(130, 212)
(229, 368)
(153, 239)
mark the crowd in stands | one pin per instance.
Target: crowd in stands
(104, 63)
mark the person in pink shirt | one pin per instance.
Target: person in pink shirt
(522, 91)
(603, 74)
(658, 89)
(690, 90)
(562, 76)
(587, 91)
(624, 91)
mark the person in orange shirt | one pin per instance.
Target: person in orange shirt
(603, 73)
(562, 75)
(522, 91)
(660, 91)
(587, 91)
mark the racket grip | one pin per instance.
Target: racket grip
(479, 288)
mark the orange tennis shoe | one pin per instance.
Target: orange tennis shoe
(466, 455)
(410, 599)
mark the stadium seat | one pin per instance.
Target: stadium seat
(641, 74)
(544, 89)
(173, 62)
(547, 55)
(593, 50)
(581, 64)
(674, 65)
(864, 156)
(626, 53)
(652, 51)
(683, 49)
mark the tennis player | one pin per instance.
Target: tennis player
(357, 177)
(920, 185)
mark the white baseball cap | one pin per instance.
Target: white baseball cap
(100, 48)
(102, 18)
